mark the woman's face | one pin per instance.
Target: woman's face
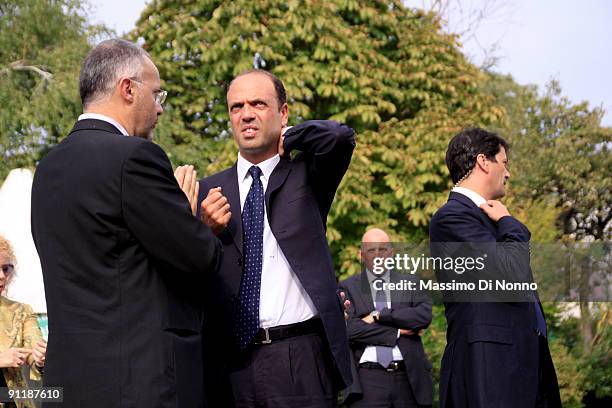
(6, 271)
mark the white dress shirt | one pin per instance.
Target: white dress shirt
(282, 299)
(369, 354)
(472, 195)
(104, 118)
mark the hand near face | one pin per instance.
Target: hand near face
(38, 352)
(14, 357)
(494, 210)
(187, 179)
(281, 141)
(215, 210)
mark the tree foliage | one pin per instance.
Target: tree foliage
(561, 154)
(42, 44)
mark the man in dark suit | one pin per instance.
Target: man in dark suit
(385, 328)
(278, 323)
(497, 354)
(120, 247)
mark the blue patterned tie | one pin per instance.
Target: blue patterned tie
(247, 321)
(384, 354)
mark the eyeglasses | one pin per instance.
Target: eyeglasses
(7, 269)
(160, 96)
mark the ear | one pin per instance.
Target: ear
(482, 163)
(284, 115)
(126, 90)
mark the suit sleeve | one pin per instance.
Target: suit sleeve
(366, 333)
(414, 318)
(506, 250)
(327, 148)
(158, 214)
(465, 227)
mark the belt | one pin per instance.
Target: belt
(393, 366)
(274, 334)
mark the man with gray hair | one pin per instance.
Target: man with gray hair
(120, 247)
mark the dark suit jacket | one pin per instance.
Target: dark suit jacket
(120, 249)
(493, 351)
(409, 310)
(298, 198)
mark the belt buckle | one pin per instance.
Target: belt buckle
(267, 333)
(393, 366)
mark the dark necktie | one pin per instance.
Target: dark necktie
(247, 321)
(384, 354)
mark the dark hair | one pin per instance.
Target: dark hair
(281, 94)
(105, 64)
(466, 145)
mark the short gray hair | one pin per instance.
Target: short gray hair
(105, 64)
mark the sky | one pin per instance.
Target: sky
(534, 41)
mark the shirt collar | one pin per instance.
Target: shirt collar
(471, 194)
(372, 276)
(99, 116)
(266, 166)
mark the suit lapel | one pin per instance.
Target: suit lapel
(277, 179)
(231, 191)
(397, 296)
(367, 303)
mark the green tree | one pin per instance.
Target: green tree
(385, 70)
(597, 364)
(42, 44)
(561, 153)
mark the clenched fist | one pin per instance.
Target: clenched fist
(215, 210)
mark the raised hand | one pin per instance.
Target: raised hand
(38, 352)
(494, 209)
(187, 179)
(215, 210)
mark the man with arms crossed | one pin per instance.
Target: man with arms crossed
(497, 353)
(120, 248)
(384, 329)
(278, 324)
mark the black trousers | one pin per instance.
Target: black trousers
(383, 389)
(294, 372)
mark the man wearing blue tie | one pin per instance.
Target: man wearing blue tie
(276, 324)
(497, 352)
